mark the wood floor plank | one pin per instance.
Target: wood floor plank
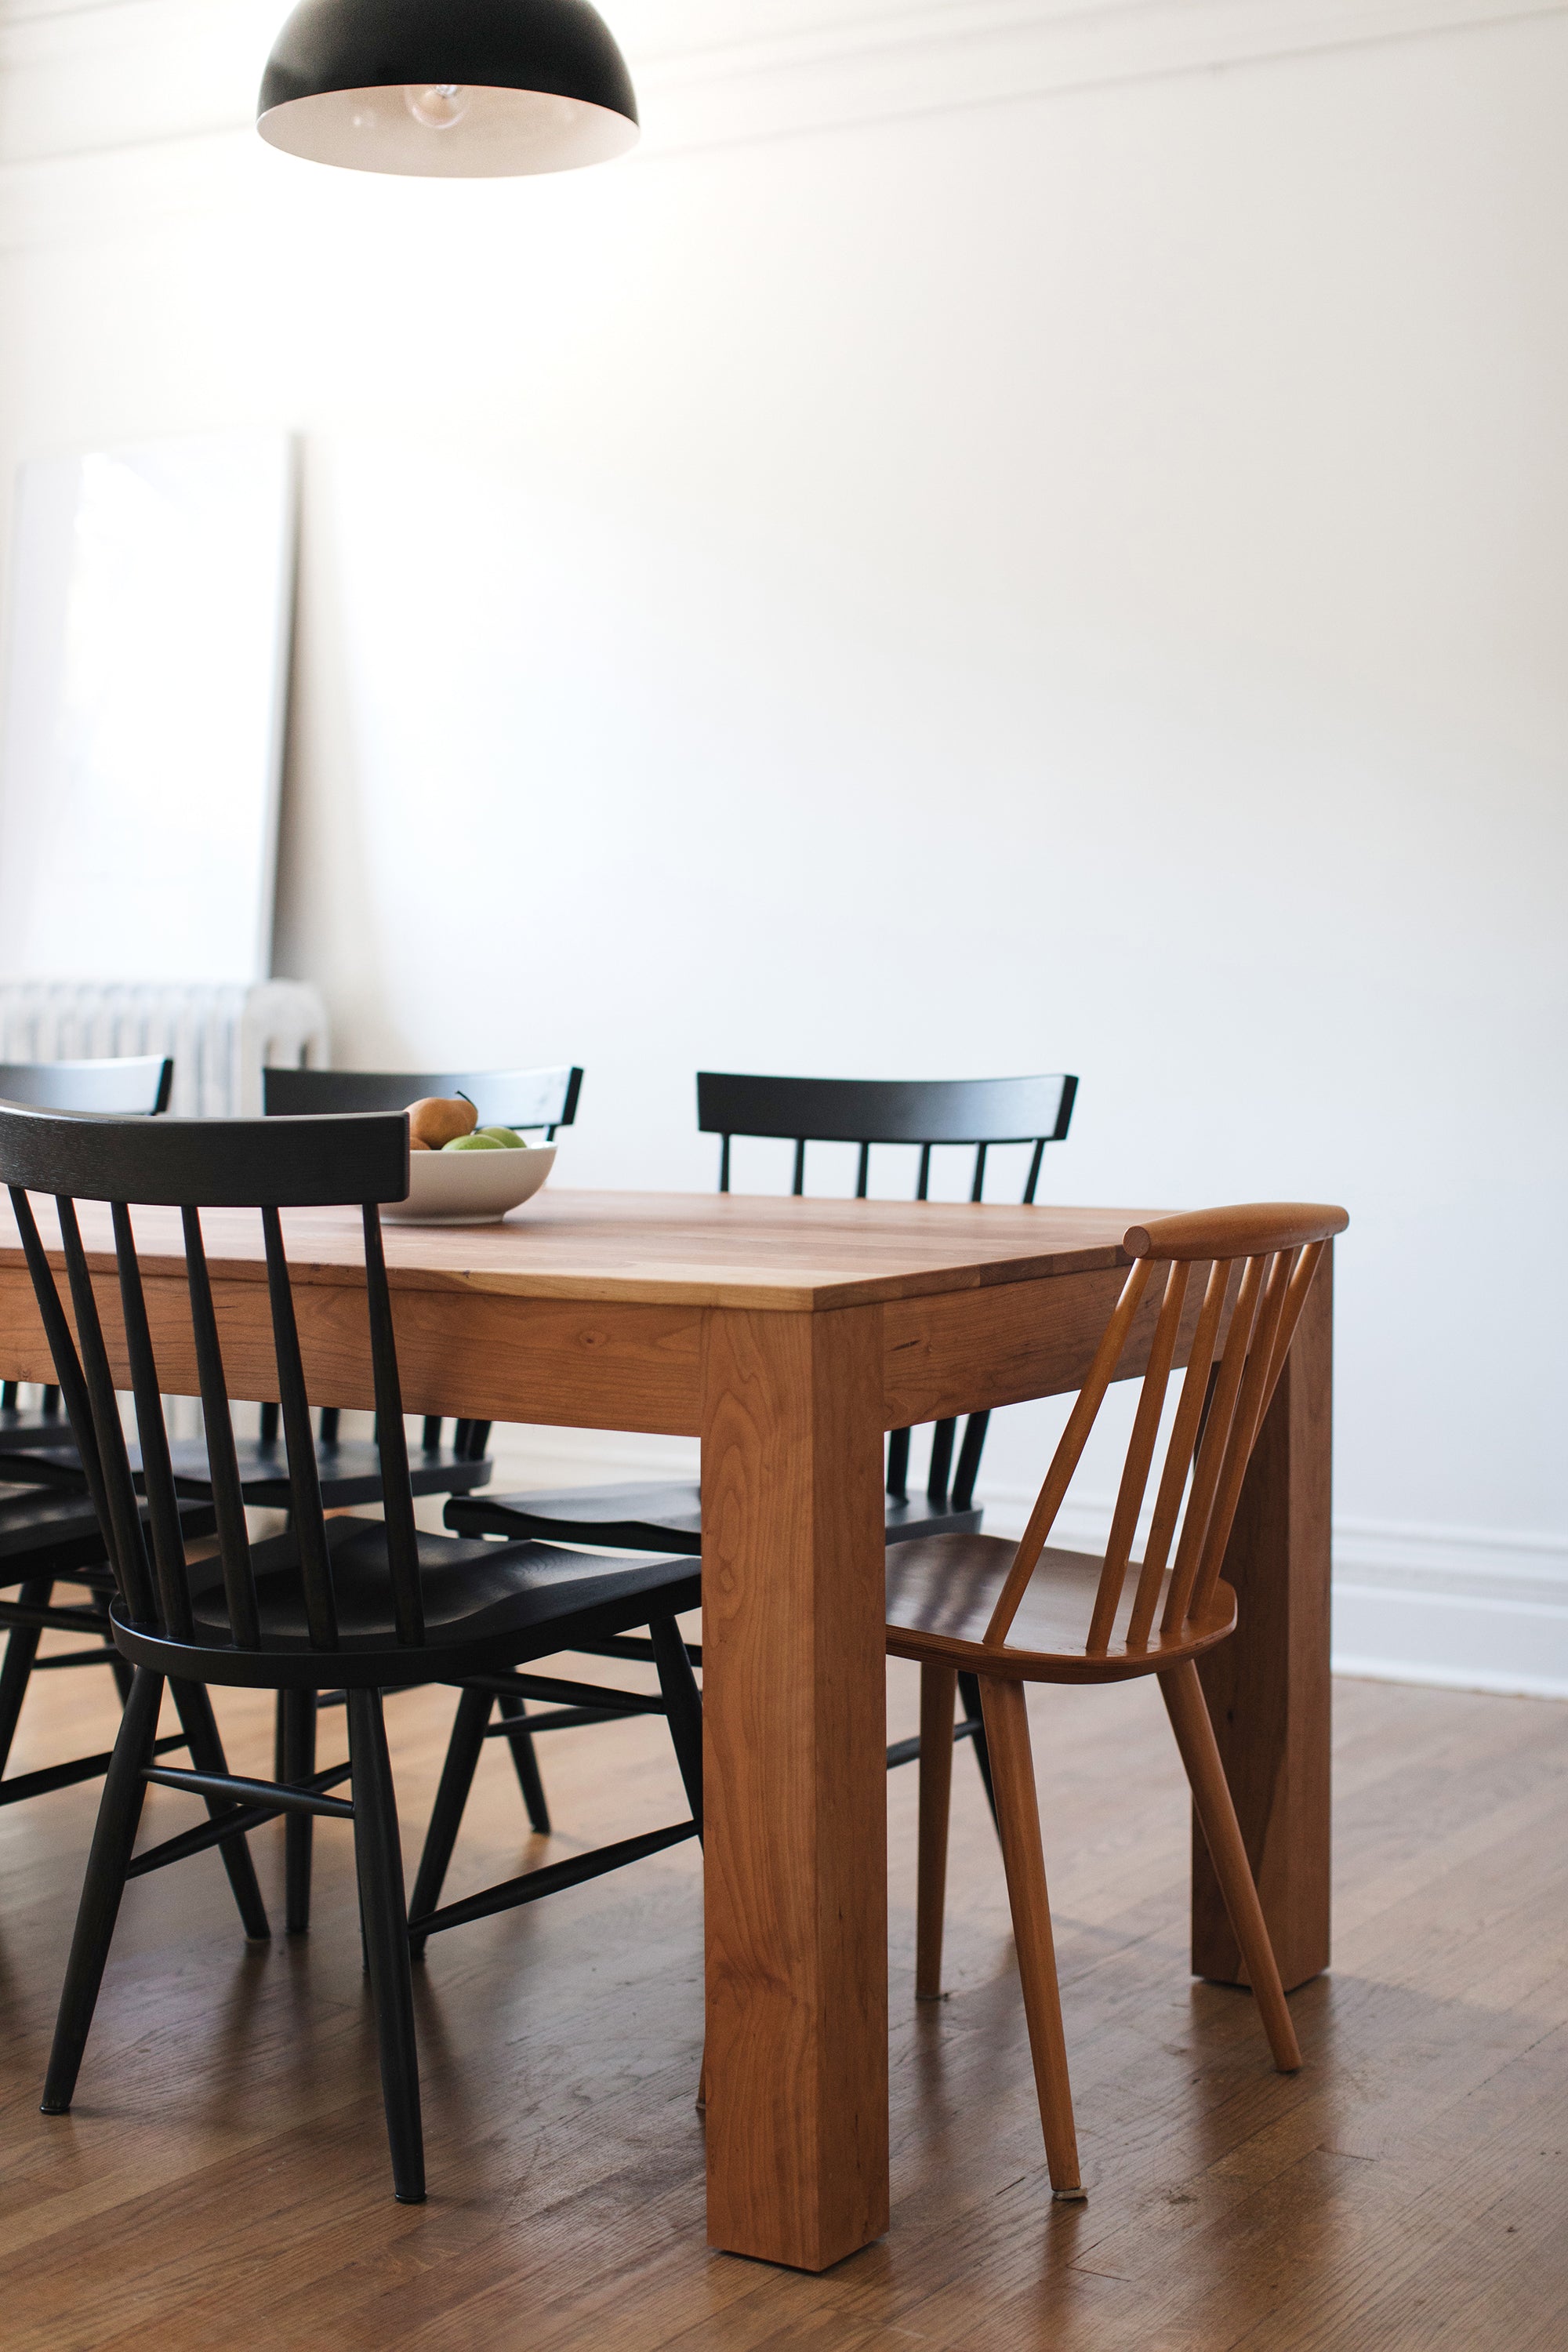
(223, 2180)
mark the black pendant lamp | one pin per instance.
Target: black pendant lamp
(448, 88)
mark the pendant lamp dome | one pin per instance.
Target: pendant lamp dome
(448, 88)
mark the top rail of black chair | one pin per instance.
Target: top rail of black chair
(516, 1098)
(886, 1110)
(121, 1086)
(210, 1163)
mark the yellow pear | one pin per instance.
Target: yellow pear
(439, 1119)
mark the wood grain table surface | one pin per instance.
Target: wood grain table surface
(789, 1335)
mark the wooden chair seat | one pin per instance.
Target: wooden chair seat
(942, 1593)
(348, 1469)
(51, 1531)
(489, 1595)
(664, 1515)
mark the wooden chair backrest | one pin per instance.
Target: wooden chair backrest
(1277, 1247)
(930, 1113)
(516, 1098)
(268, 1164)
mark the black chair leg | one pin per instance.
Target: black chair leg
(21, 1649)
(199, 1725)
(118, 1811)
(463, 1750)
(684, 1700)
(299, 1763)
(378, 1858)
(525, 1756)
(969, 1693)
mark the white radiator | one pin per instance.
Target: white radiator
(220, 1035)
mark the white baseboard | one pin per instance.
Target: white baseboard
(1471, 1608)
(1461, 1608)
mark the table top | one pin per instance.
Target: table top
(666, 1248)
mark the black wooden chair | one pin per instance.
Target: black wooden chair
(123, 1085)
(48, 1528)
(349, 1469)
(367, 1605)
(974, 1114)
(49, 1537)
(526, 1100)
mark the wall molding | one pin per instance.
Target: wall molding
(1463, 1608)
(140, 101)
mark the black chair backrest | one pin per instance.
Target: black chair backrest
(517, 1098)
(927, 1112)
(970, 1112)
(126, 1084)
(192, 1164)
(123, 1085)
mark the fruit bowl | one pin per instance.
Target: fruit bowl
(468, 1188)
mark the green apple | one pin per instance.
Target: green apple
(507, 1137)
(478, 1142)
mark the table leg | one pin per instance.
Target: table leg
(1267, 1687)
(794, 1733)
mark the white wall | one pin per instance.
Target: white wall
(1005, 538)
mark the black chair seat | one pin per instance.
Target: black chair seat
(37, 1448)
(471, 1590)
(45, 1531)
(348, 1468)
(663, 1515)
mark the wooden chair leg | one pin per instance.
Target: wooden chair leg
(939, 1688)
(1019, 1825)
(463, 1751)
(378, 1858)
(299, 1713)
(21, 1649)
(1184, 1703)
(119, 1812)
(525, 1756)
(194, 1708)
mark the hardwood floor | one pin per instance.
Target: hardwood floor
(223, 2180)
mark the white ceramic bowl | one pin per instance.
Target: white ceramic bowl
(469, 1188)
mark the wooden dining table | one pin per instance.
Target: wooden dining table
(789, 1335)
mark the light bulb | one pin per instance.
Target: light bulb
(437, 104)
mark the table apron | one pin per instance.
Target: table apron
(972, 1351)
(611, 1364)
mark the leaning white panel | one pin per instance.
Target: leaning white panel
(149, 616)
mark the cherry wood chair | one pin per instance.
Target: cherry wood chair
(364, 1605)
(1012, 1615)
(977, 1115)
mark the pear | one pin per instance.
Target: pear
(439, 1119)
(507, 1136)
(473, 1143)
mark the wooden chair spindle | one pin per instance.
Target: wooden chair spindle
(223, 1464)
(299, 1445)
